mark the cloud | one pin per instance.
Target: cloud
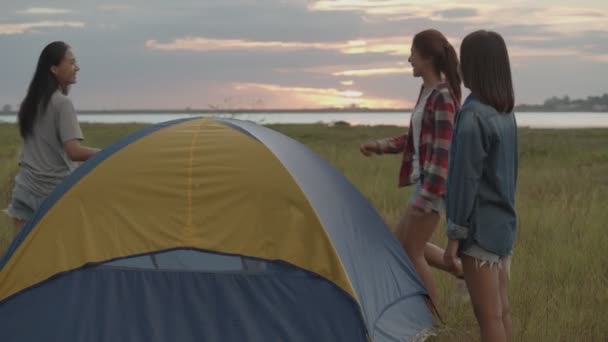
(108, 27)
(520, 52)
(353, 70)
(295, 44)
(44, 11)
(374, 72)
(320, 97)
(351, 93)
(457, 13)
(565, 19)
(389, 46)
(375, 7)
(20, 28)
(529, 38)
(586, 46)
(114, 8)
(553, 17)
(596, 58)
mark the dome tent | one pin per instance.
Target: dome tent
(208, 230)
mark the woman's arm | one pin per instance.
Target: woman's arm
(77, 152)
(381, 146)
(392, 144)
(469, 153)
(71, 134)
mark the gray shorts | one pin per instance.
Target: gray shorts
(23, 203)
(438, 204)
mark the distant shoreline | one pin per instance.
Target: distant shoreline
(592, 104)
(282, 111)
(231, 111)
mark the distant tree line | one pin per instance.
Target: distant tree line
(554, 104)
(565, 104)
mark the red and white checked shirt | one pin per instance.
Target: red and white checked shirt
(435, 139)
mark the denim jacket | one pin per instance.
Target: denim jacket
(482, 177)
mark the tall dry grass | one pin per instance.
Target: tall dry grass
(559, 285)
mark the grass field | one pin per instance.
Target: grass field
(559, 288)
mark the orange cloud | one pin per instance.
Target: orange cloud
(391, 45)
(10, 29)
(370, 7)
(372, 69)
(351, 93)
(597, 58)
(306, 97)
(398, 46)
(373, 72)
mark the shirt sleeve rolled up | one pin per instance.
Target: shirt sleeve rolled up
(468, 153)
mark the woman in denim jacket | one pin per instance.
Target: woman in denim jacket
(425, 150)
(482, 176)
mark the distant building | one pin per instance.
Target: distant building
(600, 108)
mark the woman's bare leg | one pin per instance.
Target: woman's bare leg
(483, 283)
(414, 231)
(504, 297)
(432, 252)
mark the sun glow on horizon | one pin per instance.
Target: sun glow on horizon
(388, 45)
(308, 97)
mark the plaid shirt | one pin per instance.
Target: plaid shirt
(435, 139)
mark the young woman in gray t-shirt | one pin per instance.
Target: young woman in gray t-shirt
(50, 132)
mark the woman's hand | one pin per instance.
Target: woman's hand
(369, 148)
(450, 257)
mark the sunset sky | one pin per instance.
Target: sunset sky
(258, 54)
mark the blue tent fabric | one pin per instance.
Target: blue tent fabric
(368, 253)
(181, 260)
(106, 304)
(192, 295)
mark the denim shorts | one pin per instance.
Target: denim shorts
(438, 204)
(23, 203)
(484, 257)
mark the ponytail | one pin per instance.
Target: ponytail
(449, 66)
(433, 44)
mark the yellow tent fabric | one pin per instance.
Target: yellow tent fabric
(182, 186)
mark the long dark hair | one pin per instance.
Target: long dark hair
(42, 87)
(484, 62)
(433, 44)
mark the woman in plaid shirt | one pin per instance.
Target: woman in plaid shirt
(425, 150)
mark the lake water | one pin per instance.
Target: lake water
(533, 120)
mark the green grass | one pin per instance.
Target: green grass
(559, 287)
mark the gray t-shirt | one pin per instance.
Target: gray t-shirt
(43, 162)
